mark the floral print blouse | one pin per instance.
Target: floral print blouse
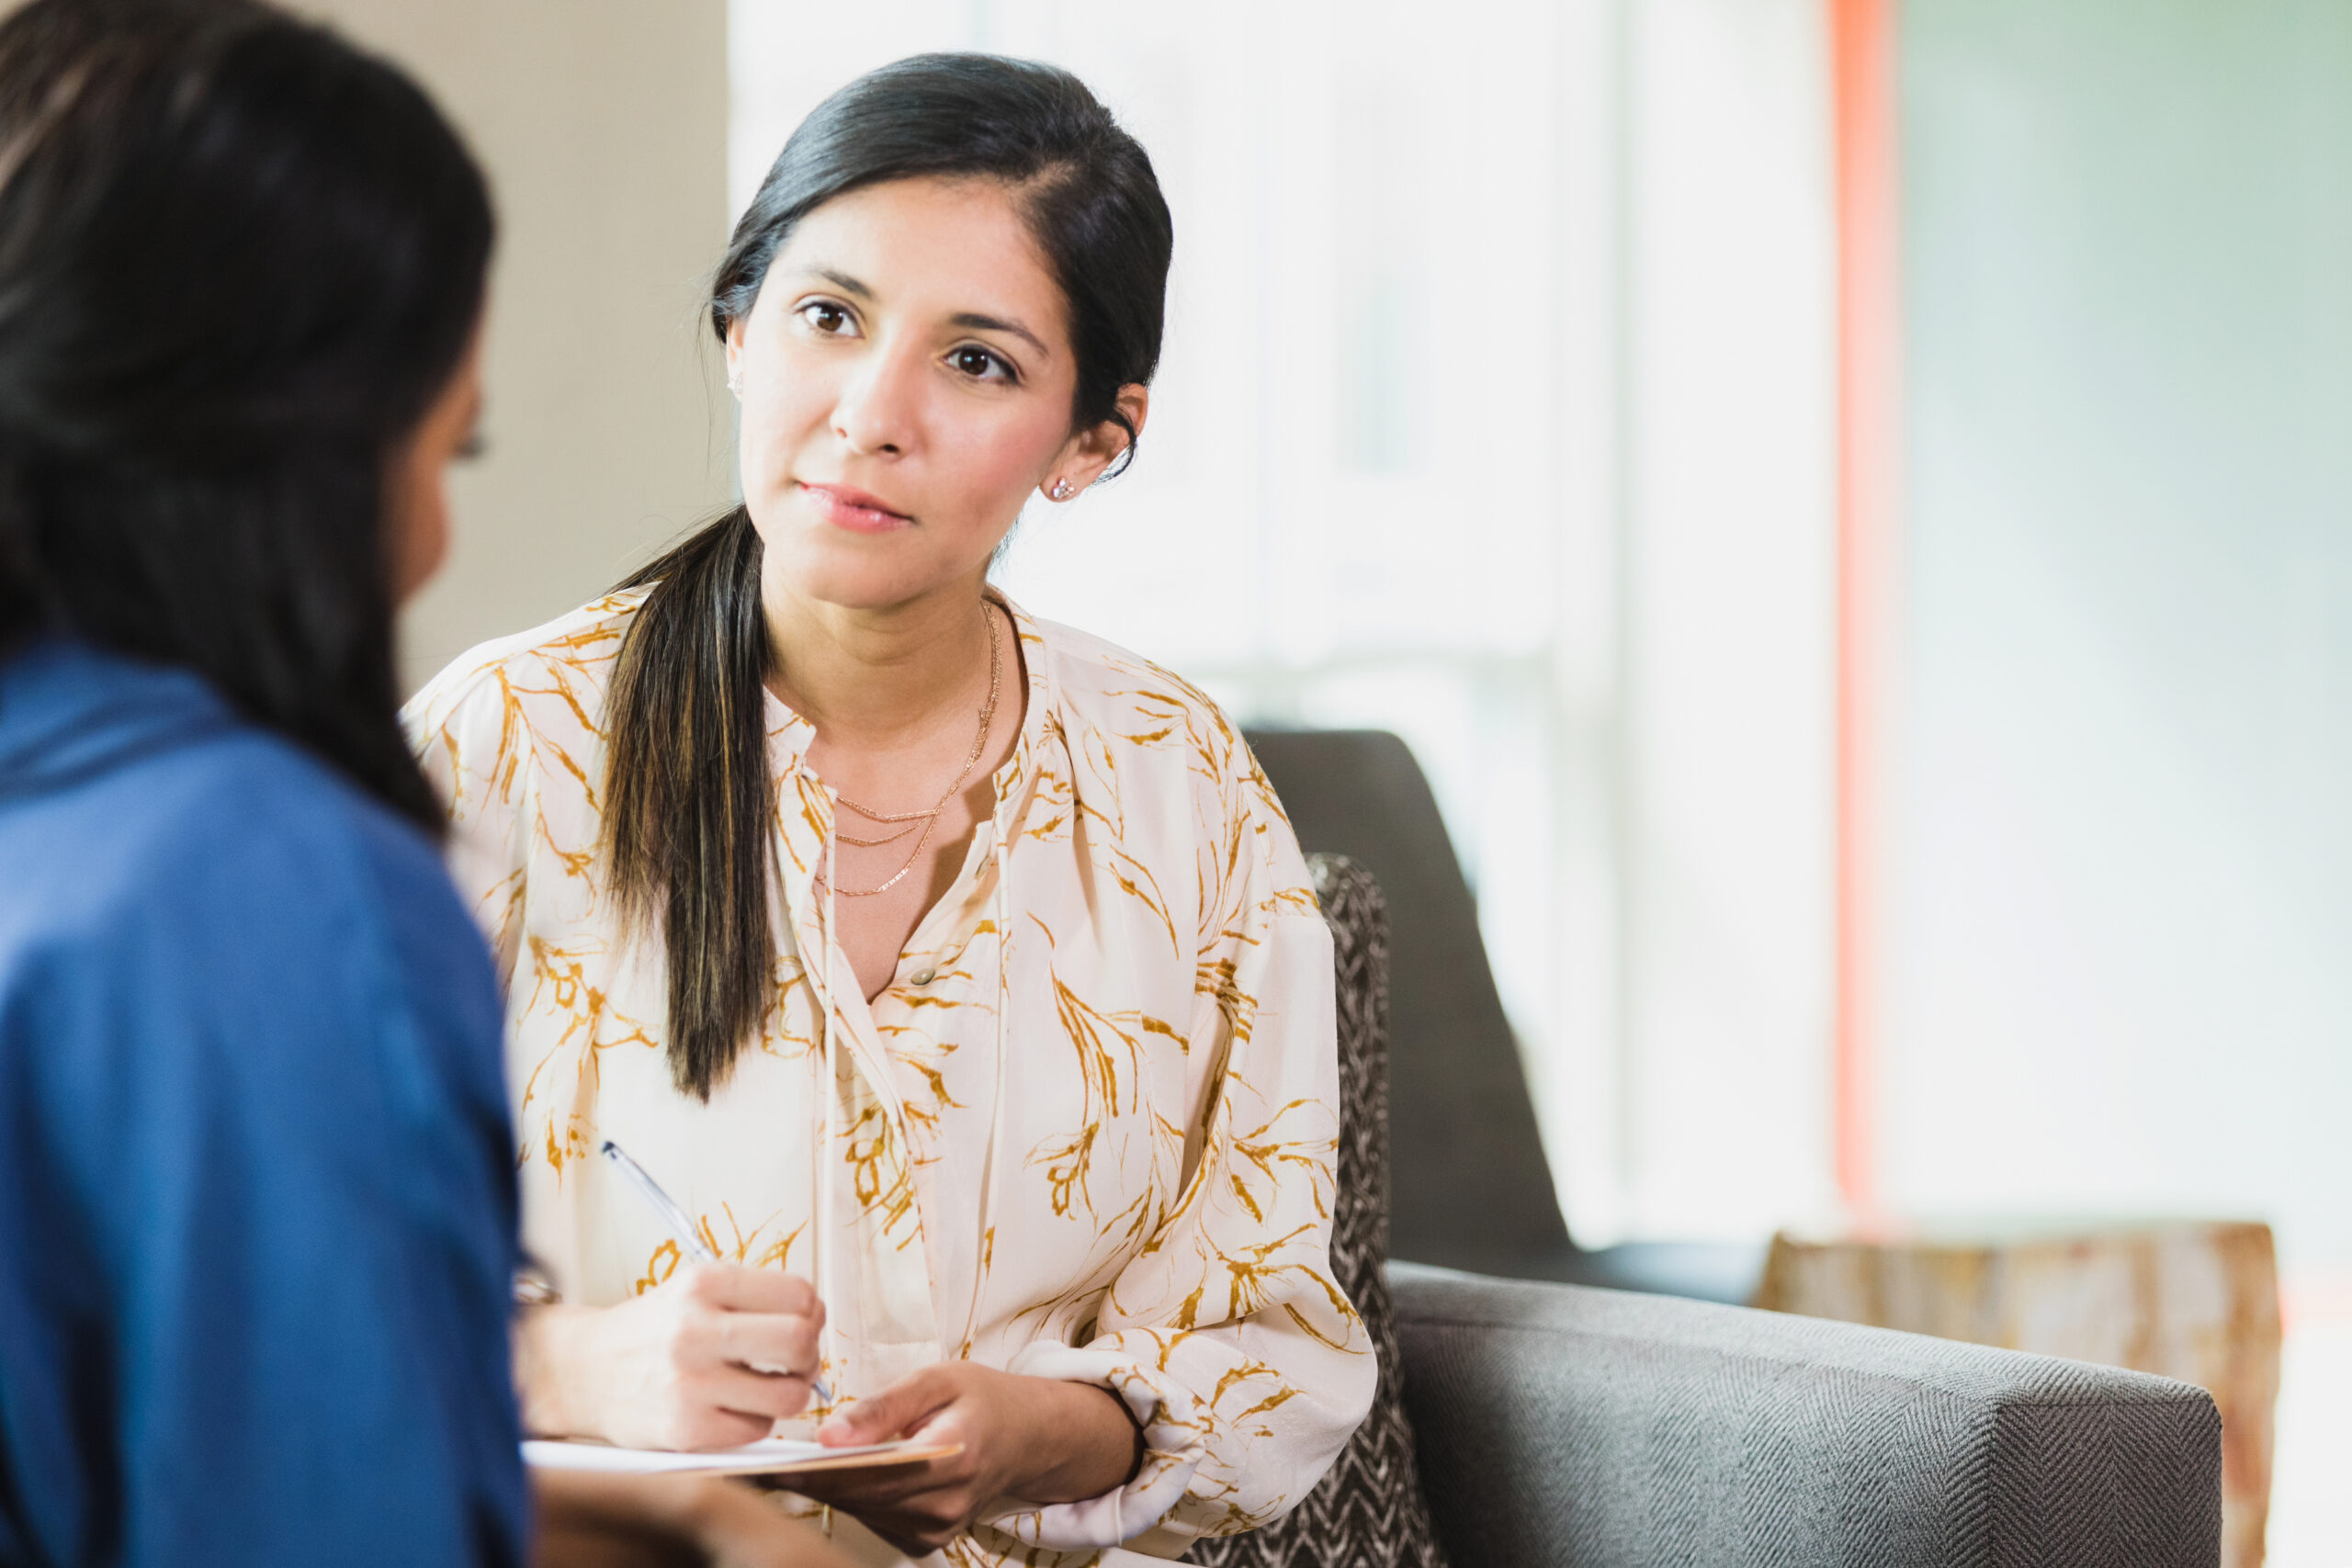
(1086, 1131)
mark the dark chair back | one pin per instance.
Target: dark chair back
(1470, 1186)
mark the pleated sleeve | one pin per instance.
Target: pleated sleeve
(1226, 1334)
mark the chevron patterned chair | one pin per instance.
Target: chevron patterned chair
(1525, 1425)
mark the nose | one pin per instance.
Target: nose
(876, 414)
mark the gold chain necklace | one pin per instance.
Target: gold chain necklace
(930, 820)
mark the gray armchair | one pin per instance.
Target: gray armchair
(1560, 1425)
(1526, 1425)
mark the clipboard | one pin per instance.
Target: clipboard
(770, 1456)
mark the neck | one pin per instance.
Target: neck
(877, 676)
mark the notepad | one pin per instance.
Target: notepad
(770, 1456)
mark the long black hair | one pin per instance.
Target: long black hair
(239, 259)
(688, 812)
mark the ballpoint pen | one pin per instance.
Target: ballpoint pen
(683, 1229)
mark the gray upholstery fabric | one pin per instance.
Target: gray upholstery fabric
(1471, 1187)
(1563, 1426)
(1368, 1511)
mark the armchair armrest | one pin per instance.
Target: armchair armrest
(1559, 1425)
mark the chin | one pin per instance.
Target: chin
(855, 574)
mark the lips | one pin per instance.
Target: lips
(854, 510)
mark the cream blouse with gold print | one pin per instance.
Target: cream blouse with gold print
(1086, 1132)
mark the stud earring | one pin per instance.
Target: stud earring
(735, 382)
(1061, 490)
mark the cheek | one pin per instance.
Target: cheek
(995, 457)
(780, 415)
(420, 539)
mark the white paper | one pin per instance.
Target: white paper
(768, 1451)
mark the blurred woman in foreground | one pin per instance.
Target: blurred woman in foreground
(256, 1208)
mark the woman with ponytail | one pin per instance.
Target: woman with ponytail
(957, 972)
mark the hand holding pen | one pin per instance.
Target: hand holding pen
(692, 1245)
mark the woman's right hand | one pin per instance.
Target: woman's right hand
(672, 1368)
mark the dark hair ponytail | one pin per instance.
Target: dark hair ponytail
(689, 812)
(239, 259)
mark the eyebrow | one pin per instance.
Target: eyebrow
(995, 325)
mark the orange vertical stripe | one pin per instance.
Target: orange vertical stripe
(1869, 435)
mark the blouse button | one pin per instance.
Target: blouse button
(926, 976)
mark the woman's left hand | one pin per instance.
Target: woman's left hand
(1032, 1438)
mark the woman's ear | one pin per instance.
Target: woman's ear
(1090, 452)
(735, 356)
(1134, 402)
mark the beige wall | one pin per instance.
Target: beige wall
(603, 126)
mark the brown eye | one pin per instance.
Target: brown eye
(825, 316)
(980, 365)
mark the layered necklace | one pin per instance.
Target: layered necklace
(928, 820)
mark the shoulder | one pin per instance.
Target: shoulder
(559, 663)
(534, 697)
(1134, 706)
(231, 856)
(249, 820)
(1147, 733)
(200, 923)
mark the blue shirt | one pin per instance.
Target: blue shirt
(256, 1214)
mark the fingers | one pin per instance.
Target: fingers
(746, 1393)
(735, 1287)
(920, 1524)
(914, 1522)
(699, 1423)
(768, 1342)
(914, 1537)
(669, 1369)
(916, 1508)
(883, 1487)
(892, 1412)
